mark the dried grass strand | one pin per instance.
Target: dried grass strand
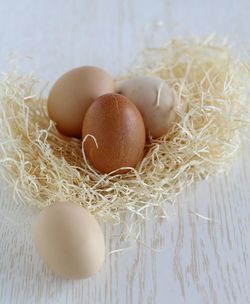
(213, 109)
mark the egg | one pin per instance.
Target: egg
(114, 134)
(69, 240)
(155, 100)
(72, 94)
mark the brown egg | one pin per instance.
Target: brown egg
(72, 94)
(119, 130)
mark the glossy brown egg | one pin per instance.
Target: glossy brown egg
(72, 94)
(118, 128)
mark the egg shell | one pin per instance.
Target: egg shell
(69, 240)
(155, 100)
(72, 94)
(119, 131)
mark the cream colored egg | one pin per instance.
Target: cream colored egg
(69, 240)
(72, 94)
(155, 100)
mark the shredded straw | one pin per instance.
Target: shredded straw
(213, 109)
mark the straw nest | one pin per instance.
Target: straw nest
(43, 166)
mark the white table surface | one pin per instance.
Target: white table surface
(198, 261)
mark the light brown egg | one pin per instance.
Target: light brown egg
(69, 240)
(155, 100)
(72, 94)
(118, 128)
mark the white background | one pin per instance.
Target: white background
(198, 261)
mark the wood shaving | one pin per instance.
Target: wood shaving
(212, 104)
